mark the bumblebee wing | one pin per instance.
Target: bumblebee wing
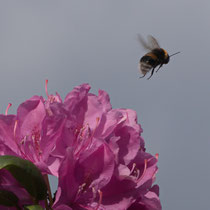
(143, 43)
(153, 42)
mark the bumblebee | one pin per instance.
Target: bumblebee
(156, 57)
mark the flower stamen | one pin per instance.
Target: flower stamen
(145, 167)
(46, 91)
(18, 145)
(94, 193)
(94, 130)
(133, 168)
(80, 189)
(86, 144)
(100, 199)
(9, 105)
(15, 128)
(36, 141)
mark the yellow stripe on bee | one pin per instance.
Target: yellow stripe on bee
(152, 55)
(165, 53)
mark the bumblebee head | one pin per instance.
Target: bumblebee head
(166, 57)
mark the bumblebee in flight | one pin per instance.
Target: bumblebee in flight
(155, 57)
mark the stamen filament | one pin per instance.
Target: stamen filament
(133, 168)
(145, 167)
(100, 199)
(9, 105)
(46, 82)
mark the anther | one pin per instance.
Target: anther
(157, 156)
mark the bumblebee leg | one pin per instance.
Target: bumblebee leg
(151, 73)
(159, 67)
(142, 76)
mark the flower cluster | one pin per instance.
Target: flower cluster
(96, 152)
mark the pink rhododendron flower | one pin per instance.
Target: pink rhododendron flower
(96, 152)
(32, 133)
(92, 125)
(23, 134)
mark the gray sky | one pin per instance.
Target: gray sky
(73, 42)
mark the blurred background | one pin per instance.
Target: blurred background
(73, 42)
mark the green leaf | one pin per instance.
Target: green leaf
(8, 198)
(33, 207)
(27, 174)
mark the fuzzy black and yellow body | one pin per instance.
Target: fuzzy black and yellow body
(155, 57)
(151, 60)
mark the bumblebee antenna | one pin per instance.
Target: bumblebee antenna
(174, 54)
